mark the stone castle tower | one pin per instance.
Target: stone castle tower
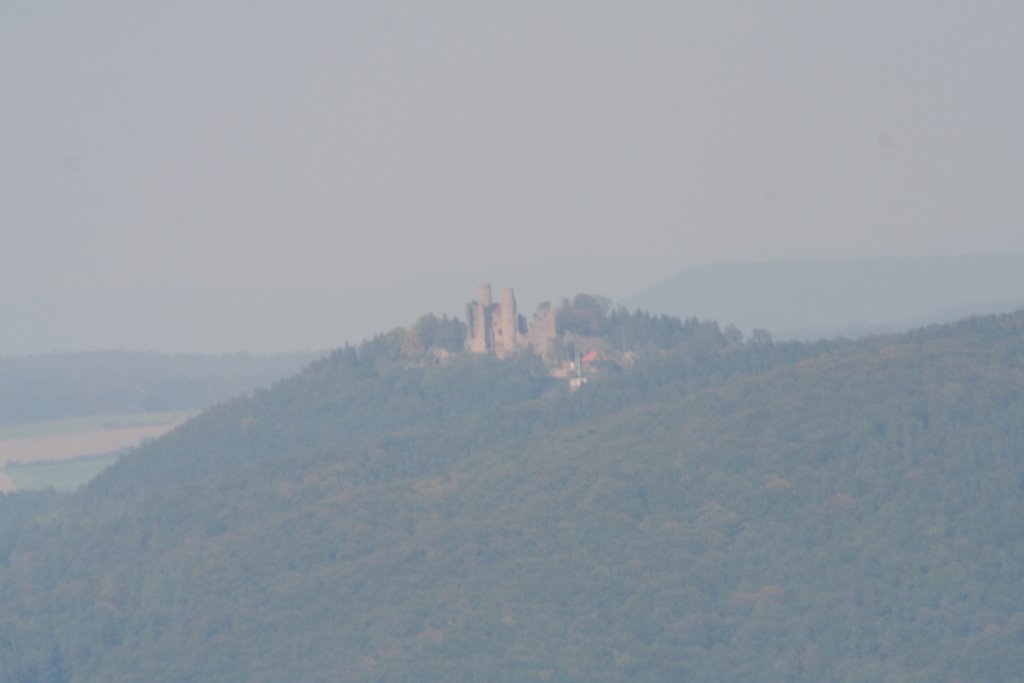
(498, 327)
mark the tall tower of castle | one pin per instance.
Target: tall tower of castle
(483, 295)
(479, 324)
(508, 319)
(494, 327)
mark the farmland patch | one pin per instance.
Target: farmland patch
(64, 454)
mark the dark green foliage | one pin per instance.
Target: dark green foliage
(586, 314)
(593, 316)
(17, 510)
(847, 511)
(440, 333)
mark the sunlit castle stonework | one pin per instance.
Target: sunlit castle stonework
(497, 327)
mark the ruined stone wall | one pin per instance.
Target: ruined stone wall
(508, 319)
(479, 328)
(494, 327)
(541, 331)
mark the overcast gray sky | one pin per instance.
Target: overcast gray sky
(213, 176)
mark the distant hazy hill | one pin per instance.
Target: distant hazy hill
(721, 511)
(809, 300)
(60, 385)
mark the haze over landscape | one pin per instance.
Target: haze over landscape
(754, 411)
(209, 179)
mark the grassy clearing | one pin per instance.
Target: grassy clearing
(63, 476)
(93, 423)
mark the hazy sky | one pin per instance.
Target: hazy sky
(213, 176)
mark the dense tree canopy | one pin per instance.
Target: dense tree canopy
(729, 511)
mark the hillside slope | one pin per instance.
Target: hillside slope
(845, 511)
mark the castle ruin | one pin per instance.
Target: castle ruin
(497, 327)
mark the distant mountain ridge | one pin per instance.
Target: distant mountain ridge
(821, 299)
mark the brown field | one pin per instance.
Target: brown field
(75, 445)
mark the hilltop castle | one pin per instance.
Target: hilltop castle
(498, 327)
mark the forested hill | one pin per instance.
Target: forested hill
(721, 510)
